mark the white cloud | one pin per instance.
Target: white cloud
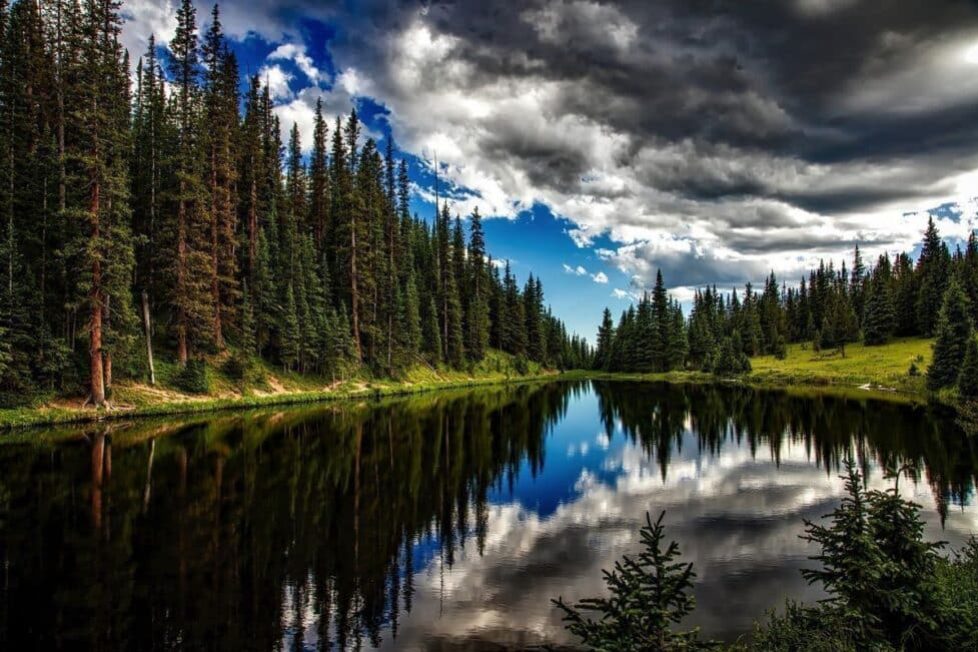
(618, 293)
(576, 271)
(144, 18)
(600, 278)
(297, 53)
(487, 585)
(519, 134)
(301, 110)
(277, 79)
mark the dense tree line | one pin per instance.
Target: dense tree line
(935, 295)
(167, 204)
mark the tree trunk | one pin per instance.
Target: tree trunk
(151, 274)
(98, 462)
(148, 488)
(96, 370)
(149, 339)
(107, 354)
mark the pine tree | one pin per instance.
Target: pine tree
(953, 331)
(839, 326)
(533, 320)
(102, 154)
(409, 323)
(477, 317)
(221, 119)
(319, 178)
(432, 333)
(879, 319)
(969, 275)
(606, 336)
(349, 229)
(149, 132)
(677, 346)
(251, 174)
(290, 231)
(247, 342)
(932, 270)
(313, 309)
(661, 324)
(650, 593)
(291, 333)
(189, 222)
(968, 376)
(905, 288)
(857, 285)
(455, 344)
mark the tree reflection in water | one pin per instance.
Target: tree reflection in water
(304, 528)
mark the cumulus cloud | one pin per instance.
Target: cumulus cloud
(600, 277)
(711, 510)
(297, 54)
(145, 18)
(717, 146)
(277, 79)
(576, 271)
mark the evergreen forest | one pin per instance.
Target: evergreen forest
(932, 296)
(153, 204)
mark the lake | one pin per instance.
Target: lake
(442, 521)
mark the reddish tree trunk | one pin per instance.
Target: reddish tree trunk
(96, 370)
(107, 355)
(98, 466)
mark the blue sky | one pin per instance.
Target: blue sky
(608, 140)
(577, 282)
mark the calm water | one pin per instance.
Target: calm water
(444, 521)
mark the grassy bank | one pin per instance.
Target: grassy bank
(865, 371)
(271, 387)
(885, 368)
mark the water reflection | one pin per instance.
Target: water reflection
(443, 521)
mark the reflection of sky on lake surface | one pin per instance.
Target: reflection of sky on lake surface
(442, 521)
(736, 514)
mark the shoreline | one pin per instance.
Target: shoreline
(855, 377)
(30, 417)
(813, 386)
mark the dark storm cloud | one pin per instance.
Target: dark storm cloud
(746, 129)
(546, 163)
(762, 77)
(751, 242)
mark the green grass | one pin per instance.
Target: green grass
(881, 367)
(275, 387)
(865, 372)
